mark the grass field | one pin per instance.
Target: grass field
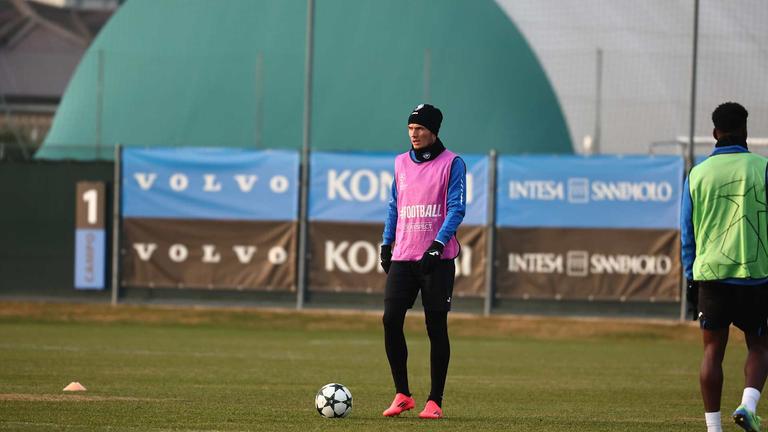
(149, 369)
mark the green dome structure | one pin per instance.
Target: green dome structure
(212, 73)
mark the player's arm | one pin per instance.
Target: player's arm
(687, 239)
(390, 223)
(688, 252)
(456, 202)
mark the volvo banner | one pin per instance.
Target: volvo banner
(589, 228)
(209, 218)
(349, 193)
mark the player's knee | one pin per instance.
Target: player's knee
(387, 320)
(714, 352)
(393, 318)
(437, 324)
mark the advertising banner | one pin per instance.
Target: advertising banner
(210, 183)
(209, 218)
(589, 192)
(356, 187)
(588, 228)
(345, 258)
(588, 264)
(349, 194)
(240, 255)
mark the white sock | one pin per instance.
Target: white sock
(714, 424)
(750, 397)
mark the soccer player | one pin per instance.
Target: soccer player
(725, 259)
(427, 205)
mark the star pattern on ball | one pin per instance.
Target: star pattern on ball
(333, 401)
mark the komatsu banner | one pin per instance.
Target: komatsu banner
(209, 218)
(356, 187)
(349, 194)
(589, 228)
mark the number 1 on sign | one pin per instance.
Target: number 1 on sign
(91, 200)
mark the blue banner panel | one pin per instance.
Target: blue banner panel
(210, 183)
(89, 259)
(589, 192)
(356, 187)
(477, 189)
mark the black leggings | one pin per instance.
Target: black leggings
(397, 350)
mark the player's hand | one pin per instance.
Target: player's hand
(431, 257)
(385, 257)
(692, 298)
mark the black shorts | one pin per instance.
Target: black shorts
(405, 280)
(744, 306)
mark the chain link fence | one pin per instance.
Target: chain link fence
(623, 69)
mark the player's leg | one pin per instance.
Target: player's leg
(440, 352)
(715, 306)
(395, 345)
(397, 354)
(752, 321)
(436, 296)
(756, 366)
(755, 372)
(711, 372)
(400, 293)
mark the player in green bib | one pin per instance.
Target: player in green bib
(724, 234)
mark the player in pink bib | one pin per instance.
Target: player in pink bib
(427, 205)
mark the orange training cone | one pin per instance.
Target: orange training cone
(74, 386)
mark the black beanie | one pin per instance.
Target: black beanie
(427, 116)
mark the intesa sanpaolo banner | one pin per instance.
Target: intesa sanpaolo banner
(212, 218)
(348, 200)
(594, 228)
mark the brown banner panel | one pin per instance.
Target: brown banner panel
(345, 258)
(588, 264)
(471, 263)
(209, 254)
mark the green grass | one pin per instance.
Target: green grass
(150, 369)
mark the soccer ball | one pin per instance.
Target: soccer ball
(333, 401)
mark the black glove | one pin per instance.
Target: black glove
(386, 257)
(692, 298)
(431, 257)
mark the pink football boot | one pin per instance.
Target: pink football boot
(431, 411)
(400, 404)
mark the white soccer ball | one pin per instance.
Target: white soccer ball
(333, 401)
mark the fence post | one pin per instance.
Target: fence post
(301, 286)
(490, 253)
(116, 191)
(691, 131)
